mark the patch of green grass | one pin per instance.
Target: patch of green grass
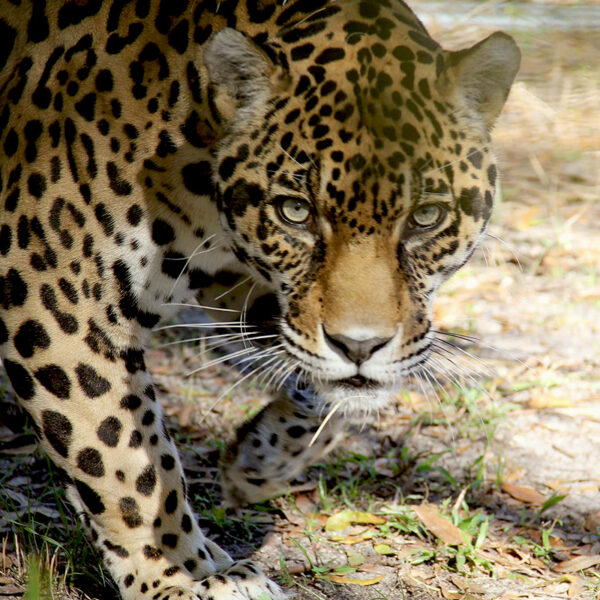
(55, 552)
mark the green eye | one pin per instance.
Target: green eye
(295, 211)
(427, 216)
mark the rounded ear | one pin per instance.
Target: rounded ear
(482, 75)
(240, 71)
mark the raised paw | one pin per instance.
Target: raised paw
(242, 581)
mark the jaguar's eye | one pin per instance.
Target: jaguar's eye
(295, 211)
(427, 216)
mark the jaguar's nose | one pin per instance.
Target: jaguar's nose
(355, 350)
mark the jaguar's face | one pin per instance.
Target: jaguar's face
(354, 212)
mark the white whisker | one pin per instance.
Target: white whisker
(192, 305)
(189, 258)
(325, 421)
(222, 359)
(209, 325)
(237, 285)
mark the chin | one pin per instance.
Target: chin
(355, 396)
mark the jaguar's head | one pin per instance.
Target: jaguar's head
(355, 176)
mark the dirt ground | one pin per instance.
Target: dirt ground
(510, 457)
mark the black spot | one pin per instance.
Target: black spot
(86, 107)
(197, 178)
(3, 332)
(146, 482)
(31, 335)
(105, 219)
(303, 51)
(167, 462)
(42, 95)
(130, 402)
(92, 384)
(55, 380)
(329, 55)
(104, 81)
(134, 360)
(135, 440)
(171, 502)
(90, 498)
(186, 523)
(119, 186)
(492, 174)
(173, 264)
(20, 379)
(178, 38)
(162, 232)
(130, 511)
(5, 239)
(68, 289)
(471, 202)
(7, 40)
(190, 564)
(296, 431)
(409, 133)
(166, 145)
(57, 430)
(118, 550)
(134, 215)
(170, 540)
(13, 290)
(152, 553)
(109, 431)
(148, 418)
(89, 460)
(475, 158)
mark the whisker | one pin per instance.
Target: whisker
(463, 351)
(222, 359)
(245, 308)
(192, 305)
(209, 325)
(325, 421)
(286, 374)
(189, 258)
(461, 336)
(509, 246)
(242, 282)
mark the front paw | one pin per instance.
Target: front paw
(242, 581)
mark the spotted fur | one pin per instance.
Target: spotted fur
(326, 163)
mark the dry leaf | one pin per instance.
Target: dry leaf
(451, 595)
(576, 585)
(355, 559)
(384, 549)
(440, 526)
(343, 519)
(577, 564)
(523, 493)
(354, 580)
(352, 539)
(305, 503)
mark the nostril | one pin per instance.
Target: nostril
(357, 351)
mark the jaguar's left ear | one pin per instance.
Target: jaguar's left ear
(481, 76)
(242, 73)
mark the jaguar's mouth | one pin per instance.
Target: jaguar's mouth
(358, 381)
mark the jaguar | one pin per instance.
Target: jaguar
(318, 167)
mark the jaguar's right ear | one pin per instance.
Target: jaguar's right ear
(242, 73)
